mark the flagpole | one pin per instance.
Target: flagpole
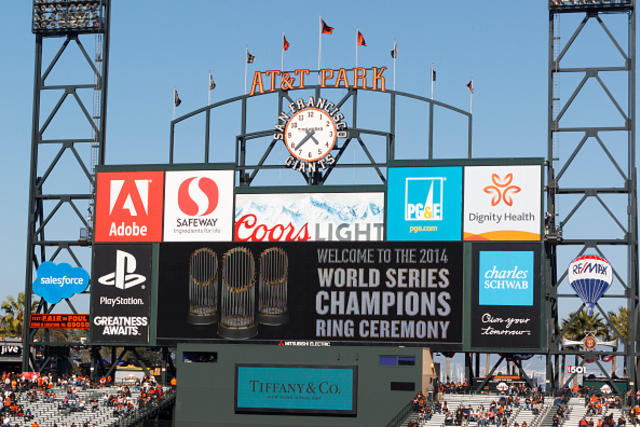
(282, 56)
(357, 31)
(209, 89)
(319, 44)
(246, 57)
(174, 102)
(395, 55)
(471, 98)
(431, 77)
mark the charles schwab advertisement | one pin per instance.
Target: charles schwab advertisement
(120, 293)
(505, 297)
(369, 292)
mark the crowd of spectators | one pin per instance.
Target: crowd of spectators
(19, 390)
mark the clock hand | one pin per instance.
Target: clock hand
(303, 140)
(315, 140)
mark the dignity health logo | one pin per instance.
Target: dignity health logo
(502, 189)
(505, 278)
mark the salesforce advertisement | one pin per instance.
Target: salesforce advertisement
(55, 282)
(505, 297)
(279, 389)
(304, 217)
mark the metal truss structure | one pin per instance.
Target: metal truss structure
(573, 227)
(79, 146)
(261, 145)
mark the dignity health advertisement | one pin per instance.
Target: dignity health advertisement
(309, 217)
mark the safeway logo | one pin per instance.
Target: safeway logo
(199, 206)
(198, 196)
(129, 207)
(502, 189)
(124, 276)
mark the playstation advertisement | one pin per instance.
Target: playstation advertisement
(121, 293)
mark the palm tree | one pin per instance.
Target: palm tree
(620, 321)
(12, 321)
(576, 331)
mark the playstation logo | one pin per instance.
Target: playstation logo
(124, 276)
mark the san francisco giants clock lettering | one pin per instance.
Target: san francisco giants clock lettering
(309, 131)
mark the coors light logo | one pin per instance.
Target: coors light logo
(198, 206)
(309, 217)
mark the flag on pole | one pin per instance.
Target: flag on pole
(394, 51)
(285, 43)
(325, 28)
(250, 58)
(360, 41)
(470, 86)
(176, 99)
(212, 84)
(433, 74)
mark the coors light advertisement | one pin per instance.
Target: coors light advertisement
(309, 217)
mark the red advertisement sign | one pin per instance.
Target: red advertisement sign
(129, 207)
(59, 321)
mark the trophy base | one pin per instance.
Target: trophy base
(201, 320)
(272, 319)
(237, 333)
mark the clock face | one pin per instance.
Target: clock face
(310, 134)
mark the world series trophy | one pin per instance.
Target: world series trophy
(203, 287)
(272, 287)
(237, 308)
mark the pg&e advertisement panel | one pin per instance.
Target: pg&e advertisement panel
(121, 293)
(505, 298)
(344, 292)
(424, 203)
(281, 389)
(309, 217)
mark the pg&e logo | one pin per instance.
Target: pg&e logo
(424, 199)
(129, 207)
(505, 278)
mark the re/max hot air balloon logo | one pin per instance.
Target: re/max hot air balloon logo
(424, 203)
(590, 277)
(198, 206)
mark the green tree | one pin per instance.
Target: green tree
(12, 320)
(578, 328)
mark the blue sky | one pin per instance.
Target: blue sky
(156, 45)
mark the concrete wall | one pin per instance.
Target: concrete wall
(206, 390)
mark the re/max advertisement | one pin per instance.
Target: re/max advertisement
(349, 292)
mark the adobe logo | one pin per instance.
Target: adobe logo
(129, 207)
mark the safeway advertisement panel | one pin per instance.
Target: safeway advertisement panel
(371, 292)
(309, 217)
(121, 293)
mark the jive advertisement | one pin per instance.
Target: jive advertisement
(309, 217)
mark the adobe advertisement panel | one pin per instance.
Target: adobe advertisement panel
(309, 217)
(129, 207)
(279, 389)
(502, 202)
(121, 293)
(198, 206)
(424, 203)
(348, 292)
(505, 299)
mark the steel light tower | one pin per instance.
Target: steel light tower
(574, 198)
(79, 146)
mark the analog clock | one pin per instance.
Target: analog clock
(310, 134)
